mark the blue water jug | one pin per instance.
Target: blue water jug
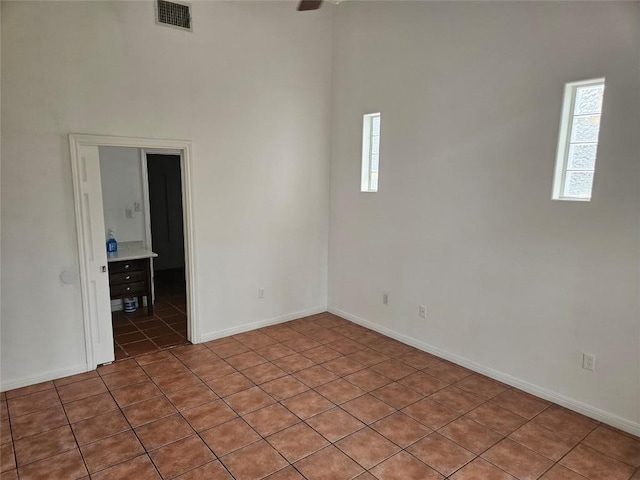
(112, 244)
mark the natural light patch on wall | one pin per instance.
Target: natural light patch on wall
(578, 140)
(370, 152)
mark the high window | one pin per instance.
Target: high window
(578, 140)
(370, 152)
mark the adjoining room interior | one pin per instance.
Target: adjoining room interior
(138, 332)
(142, 203)
(411, 240)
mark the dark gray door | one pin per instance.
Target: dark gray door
(165, 204)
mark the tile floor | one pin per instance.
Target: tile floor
(318, 399)
(137, 333)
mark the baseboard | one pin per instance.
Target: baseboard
(205, 337)
(81, 368)
(45, 377)
(568, 402)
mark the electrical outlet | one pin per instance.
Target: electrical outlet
(128, 213)
(137, 207)
(261, 293)
(588, 362)
(385, 298)
(422, 312)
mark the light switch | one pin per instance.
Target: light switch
(128, 213)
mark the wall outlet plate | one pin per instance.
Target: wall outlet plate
(588, 362)
(385, 298)
(422, 311)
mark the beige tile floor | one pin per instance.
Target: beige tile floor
(317, 398)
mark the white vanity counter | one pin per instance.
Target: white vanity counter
(130, 251)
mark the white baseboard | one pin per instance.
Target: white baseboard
(570, 403)
(81, 368)
(44, 377)
(116, 305)
(205, 337)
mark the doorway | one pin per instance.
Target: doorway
(167, 236)
(93, 262)
(142, 201)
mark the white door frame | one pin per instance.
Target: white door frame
(185, 148)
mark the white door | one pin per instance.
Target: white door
(95, 256)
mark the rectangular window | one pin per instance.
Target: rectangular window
(370, 152)
(578, 140)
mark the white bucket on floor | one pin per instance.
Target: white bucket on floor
(129, 305)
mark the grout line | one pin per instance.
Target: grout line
(313, 388)
(146, 318)
(69, 423)
(399, 410)
(179, 412)
(146, 452)
(277, 402)
(372, 341)
(335, 405)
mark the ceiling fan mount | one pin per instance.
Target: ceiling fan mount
(306, 5)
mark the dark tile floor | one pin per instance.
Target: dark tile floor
(138, 333)
(318, 399)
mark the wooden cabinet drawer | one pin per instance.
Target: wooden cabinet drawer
(131, 289)
(129, 277)
(126, 266)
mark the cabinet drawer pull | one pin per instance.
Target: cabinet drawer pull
(128, 277)
(128, 288)
(127, 266)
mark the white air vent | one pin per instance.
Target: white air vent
(174, 14)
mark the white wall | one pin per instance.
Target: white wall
(470, 95)
(121, 176)
(250, 87)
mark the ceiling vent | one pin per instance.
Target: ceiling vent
(174, 14)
